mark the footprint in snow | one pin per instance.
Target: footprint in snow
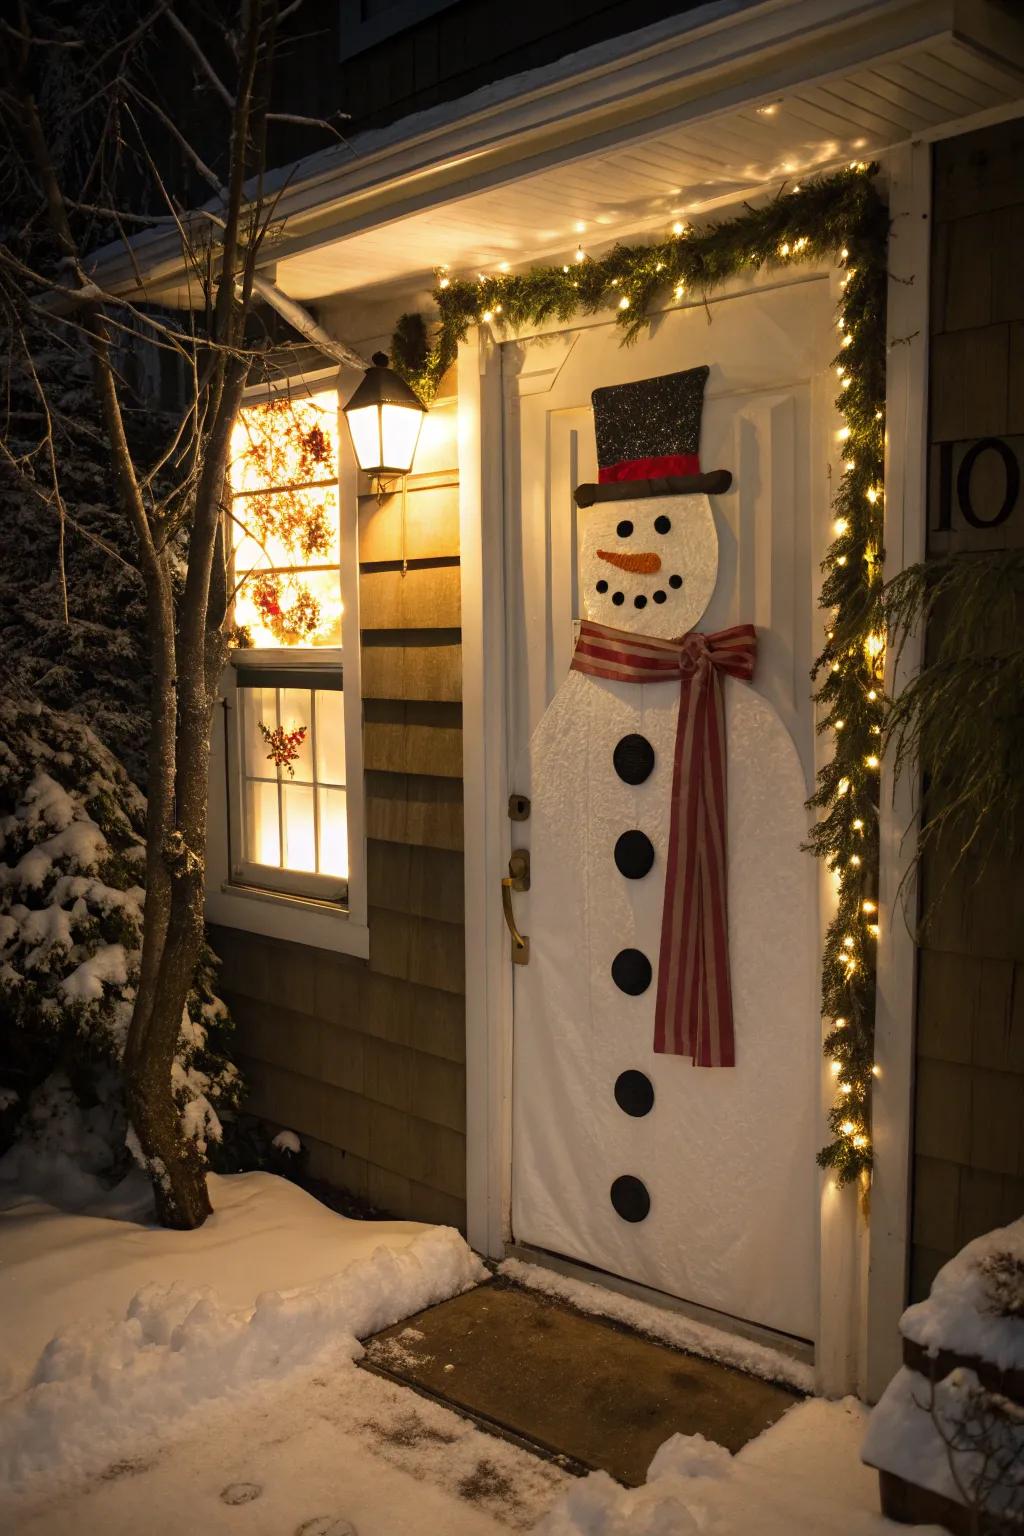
(240, 1493)
(326, 1525)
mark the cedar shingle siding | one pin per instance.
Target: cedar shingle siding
(969, 1097)
(365, 1059)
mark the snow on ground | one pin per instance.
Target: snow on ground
(205, 1382)
(118, 1328)
(802, 1477)
(669, 1327)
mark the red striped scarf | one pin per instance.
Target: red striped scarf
(693, 1014)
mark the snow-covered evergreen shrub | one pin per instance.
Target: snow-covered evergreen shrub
(72, 862)
(94, 664)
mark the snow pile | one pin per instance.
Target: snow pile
(668, 1327)
(799, 1476)
(971, 1309)
(164, 1321)
(955, 1437)
(72, 862)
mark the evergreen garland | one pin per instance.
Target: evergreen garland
(839, 218)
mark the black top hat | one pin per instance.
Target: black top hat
(647, 435)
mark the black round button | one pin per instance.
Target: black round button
(633, 759)
(675, 581)
(631, 971)
(634, 1093)
(630, 1198)
(602, 586)
(640, 601)
(659, 597)
(618, 599)
(634, 855)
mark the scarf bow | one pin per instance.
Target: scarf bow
(693, 1012)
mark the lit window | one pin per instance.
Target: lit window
(284, 521)
(288, 805)
(293, 812)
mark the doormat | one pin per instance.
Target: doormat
(582, 1389)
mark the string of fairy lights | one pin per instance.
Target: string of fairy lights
(841, 219)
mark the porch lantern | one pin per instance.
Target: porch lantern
(384, 418)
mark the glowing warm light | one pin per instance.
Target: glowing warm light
(843, 434)
(848, 942)
(837, 1067)
(871, 761)
(841, 526)
(678, 228)
(840, 559)
(623, 302)
(855, 860)
(874, 644)
(488, 314)
(869, 906)
(847, 1127)
(295, 814)
(844, 786)
(504, 266)
(858, 825)
(284, 521)
(579, 253)
(445, 282)
(679, 290)
(860, 1141)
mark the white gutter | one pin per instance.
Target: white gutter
(300, 319)
(695, 66)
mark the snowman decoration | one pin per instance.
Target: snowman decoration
(664, 1085)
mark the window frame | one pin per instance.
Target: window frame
(303, 907)
(247, 872)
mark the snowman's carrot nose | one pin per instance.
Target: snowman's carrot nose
(640, 565)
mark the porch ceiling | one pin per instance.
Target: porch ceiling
(643, 178)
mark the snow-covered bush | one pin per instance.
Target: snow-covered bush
(72, 863)
(92, 661)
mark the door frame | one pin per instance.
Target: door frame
(862, 1289)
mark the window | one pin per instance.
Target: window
(293, 813)
(284, 520)
(287, 802)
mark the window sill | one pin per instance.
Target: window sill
(280, 915)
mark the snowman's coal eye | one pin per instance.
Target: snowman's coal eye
(624, 529)
(602, 586)
(662, 524)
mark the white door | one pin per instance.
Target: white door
(724, 1158)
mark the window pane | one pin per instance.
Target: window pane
(286, 441)
(259, 705)
(330, 736)
(299, 828)
(333, 832)
(262, 840)
(289, 609)
(280, 528)
(295, 716)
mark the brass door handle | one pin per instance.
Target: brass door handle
(517, 879)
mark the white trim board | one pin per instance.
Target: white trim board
(906, 511)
